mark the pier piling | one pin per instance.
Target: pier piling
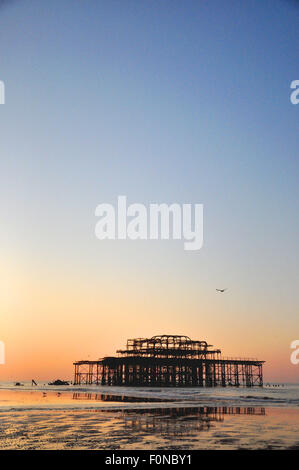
(169, 361)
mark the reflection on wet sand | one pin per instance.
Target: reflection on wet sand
(156, 426)
(180, 421)
(175, 421)
(118, 398)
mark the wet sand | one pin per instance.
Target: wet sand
(34, 420)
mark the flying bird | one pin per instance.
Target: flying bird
(221, 290)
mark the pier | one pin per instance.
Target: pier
(169, 361)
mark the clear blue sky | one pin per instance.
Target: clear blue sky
(163, 101)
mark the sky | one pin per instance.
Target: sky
(161, 101)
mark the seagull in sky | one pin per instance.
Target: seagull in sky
(221, 290)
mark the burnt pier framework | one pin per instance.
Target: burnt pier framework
(169, 361)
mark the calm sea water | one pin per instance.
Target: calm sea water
(95, 417)
(286, 395)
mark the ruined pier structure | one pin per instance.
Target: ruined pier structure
(169, 361)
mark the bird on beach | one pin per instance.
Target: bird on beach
(221, 290)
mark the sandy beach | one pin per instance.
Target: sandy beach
(88, 420)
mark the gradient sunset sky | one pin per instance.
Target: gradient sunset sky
(161, 101)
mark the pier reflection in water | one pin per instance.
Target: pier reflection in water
(118, 398)
(171, 421)
(181, 420)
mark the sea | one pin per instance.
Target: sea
(148, 418)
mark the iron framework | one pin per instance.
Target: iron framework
(169, 361)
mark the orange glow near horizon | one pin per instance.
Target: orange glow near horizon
(52, 322)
